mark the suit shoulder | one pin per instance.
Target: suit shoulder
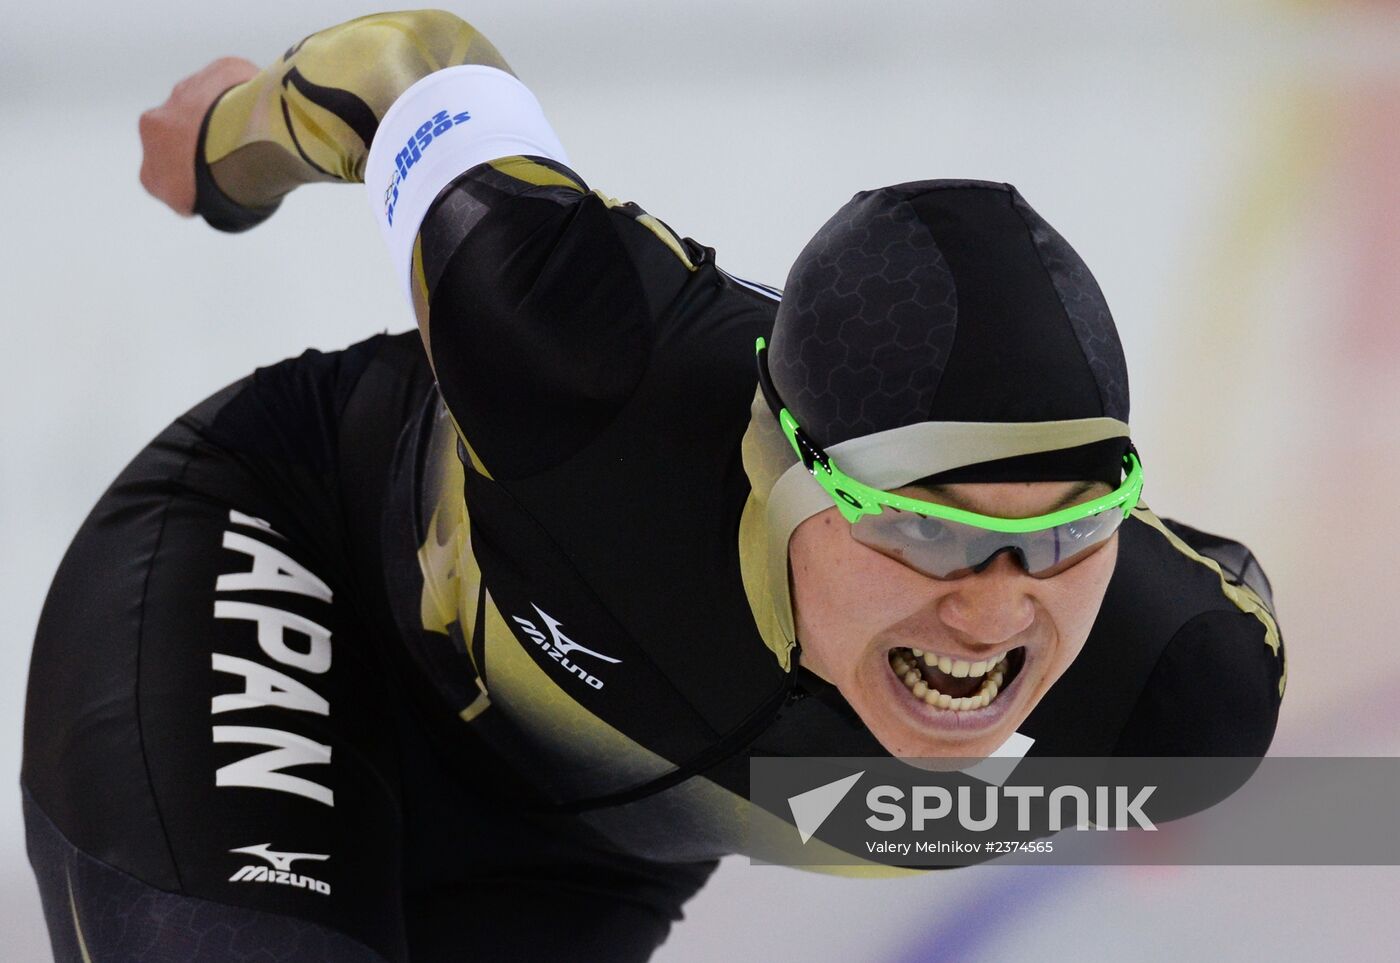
(1178, 572)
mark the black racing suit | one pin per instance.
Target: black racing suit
(361, 659)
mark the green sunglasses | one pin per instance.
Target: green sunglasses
(946, 542)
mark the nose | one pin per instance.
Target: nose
(991, 606)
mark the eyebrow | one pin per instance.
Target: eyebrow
(1067, 499)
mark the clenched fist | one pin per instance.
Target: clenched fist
(169, 133)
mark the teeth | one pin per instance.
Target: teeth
(957, 669)
(992, 672)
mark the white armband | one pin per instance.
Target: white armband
(442, 126)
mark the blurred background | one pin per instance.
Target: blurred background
(1230, 171)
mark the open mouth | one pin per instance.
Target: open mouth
(946, 683)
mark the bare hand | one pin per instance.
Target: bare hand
(169, 132)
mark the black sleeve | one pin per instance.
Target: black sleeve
(1213, 692)
(543, 302)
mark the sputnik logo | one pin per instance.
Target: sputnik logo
(810, 808)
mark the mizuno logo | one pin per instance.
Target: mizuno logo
(278, 860)
(560, 647)
(565, 644)
(281, 871)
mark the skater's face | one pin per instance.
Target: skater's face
(988, 645)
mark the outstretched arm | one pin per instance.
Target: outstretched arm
(547, 298)
(310, 116)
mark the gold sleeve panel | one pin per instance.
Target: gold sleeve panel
(312, 115)
(529, 171)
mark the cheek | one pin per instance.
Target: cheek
(838, 596)
(817, 599)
